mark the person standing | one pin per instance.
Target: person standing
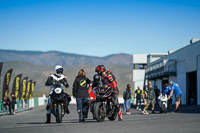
(138, 96)
(157, 92)
(175, 89)
(127, 99)
(167, 90)
(13, 102)
(150, 98)
(6, 102)
(80, 92)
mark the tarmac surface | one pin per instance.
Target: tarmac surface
(33, 121)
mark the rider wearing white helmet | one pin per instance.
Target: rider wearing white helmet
(57, 77)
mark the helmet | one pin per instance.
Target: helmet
(59, 69)
(96, 78)
(100, 69)
(97, 68)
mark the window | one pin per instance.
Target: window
(139, 66)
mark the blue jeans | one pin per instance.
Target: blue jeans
(127, 105)
(82, 105)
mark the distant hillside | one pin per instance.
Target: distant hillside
(39, 73)
(52, 58)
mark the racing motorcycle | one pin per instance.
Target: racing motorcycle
(104, 105)
(58, 98)
(163, 103)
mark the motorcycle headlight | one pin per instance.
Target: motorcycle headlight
(58, 90)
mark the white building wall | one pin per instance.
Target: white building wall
(138, 75)
(198, 80)
(138, 78)
(139, 83)
(139, 58)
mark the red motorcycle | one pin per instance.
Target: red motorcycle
(104, 106)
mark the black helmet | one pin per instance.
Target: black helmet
(96, 78)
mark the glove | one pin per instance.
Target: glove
(116, 90)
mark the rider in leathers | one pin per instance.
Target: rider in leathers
(109, 78)
(57, 77)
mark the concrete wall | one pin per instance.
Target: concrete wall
(138, 78)
(139, 58)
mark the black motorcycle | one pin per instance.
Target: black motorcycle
(58, 106)
(104, 105)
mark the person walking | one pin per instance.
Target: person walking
(175, 89)
(138, 96)
(127, 99)
(80, 92)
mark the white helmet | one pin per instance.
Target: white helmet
(59, 69)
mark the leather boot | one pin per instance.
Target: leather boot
(48, 118)
(67, 109)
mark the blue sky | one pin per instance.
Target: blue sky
(98, 27)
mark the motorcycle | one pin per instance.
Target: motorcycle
(58, 98)
(163, 103)
(104, 105)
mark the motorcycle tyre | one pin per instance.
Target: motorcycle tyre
(96, 112)
(59, 114)
(113, 117)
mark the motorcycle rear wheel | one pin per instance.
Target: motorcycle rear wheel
(113, 117)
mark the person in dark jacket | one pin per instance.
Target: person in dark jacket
(157, 92)
(6, 102)
(13, 102)
(138, 96)
(127, 99)
(58, 77)
(80, 92)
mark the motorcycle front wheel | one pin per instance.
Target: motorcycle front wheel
(59, 114)
(99, 112)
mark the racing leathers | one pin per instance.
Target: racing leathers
(52, 80)
(109, 78)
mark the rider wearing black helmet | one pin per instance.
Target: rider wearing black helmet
(108, 77)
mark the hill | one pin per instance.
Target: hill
(52, 58)
(39, 73)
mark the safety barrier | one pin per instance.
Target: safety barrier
(23, 105)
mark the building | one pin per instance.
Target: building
(140, 62)
(181, 66)
(139, 65)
